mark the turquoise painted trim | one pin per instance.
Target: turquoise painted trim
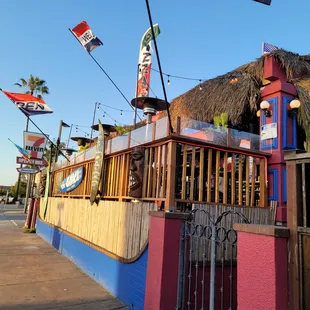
(285, 144)
(125, 281)
(274, 145)
(275, 177)
(284, 186)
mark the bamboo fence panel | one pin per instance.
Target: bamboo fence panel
(118, 227)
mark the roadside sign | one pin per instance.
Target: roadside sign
(31, 161)
(27, 170)
(35, 144)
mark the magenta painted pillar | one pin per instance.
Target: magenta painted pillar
(279, 93)
(262, 267)
(163, 260)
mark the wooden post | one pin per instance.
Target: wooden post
(153, 131)
(263, 187)
(293, 210)
(192, 183)
(171, 168)
(201, 175)
(178, 126)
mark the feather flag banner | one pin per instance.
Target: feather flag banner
(24, 152)
(86, 37)
(28, 104)
(145, 62)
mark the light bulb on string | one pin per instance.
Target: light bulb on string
(168, 82)
(200, 87)
(121, 113)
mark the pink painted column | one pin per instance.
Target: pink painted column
(163, 260)
(279, 93)
(262, 267)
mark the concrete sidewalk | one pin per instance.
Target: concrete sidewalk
(34, 276)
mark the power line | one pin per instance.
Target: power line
(107, 75)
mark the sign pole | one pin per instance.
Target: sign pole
(21, 166)
(28, 178)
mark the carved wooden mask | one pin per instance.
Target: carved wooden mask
(136, 172)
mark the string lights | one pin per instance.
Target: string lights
(169, 76)
(99, 104)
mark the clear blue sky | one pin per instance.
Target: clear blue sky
(199, 38)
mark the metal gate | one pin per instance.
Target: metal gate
(207, 265)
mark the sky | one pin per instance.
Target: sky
(199, 39)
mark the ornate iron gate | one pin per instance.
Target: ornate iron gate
(207, 268)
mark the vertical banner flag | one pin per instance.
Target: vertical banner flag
(28, 104)
(268, 48)
(35, 144)
(84, 34)
(145, 62)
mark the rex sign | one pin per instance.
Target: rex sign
(35, 144)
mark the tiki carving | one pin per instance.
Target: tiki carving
(136, 172)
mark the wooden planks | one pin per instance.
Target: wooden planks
(184, 166)
(192, 179)
(209, 175)
(118, 227)
(201, 175)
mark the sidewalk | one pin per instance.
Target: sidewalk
(34, 276)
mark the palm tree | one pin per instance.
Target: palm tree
(36, 86)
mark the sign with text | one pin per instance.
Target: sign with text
(31, 161)
(27, 170)
(35, 144)
(72, 181)
(269, 131)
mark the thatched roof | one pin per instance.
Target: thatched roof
(238, 92)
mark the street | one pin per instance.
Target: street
(12, 215)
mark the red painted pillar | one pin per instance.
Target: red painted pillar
(262, 267)
(163, 260)
(30, 212)
(279, 93)
(35, 212)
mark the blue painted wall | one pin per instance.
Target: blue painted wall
(125, 281)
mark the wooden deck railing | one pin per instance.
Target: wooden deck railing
(179, 171)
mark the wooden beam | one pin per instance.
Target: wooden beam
(191, 195)
(209, 175)
(233, 180)
(145, 173)
(225, 180)
(165, 146)
(263, 188)
(240, 184)
(293, 210)
(150, 174)
(217, 176)
(247, 181)
(253, 183)
(184, 166)
(201, 174)
(171, 177)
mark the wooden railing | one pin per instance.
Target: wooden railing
(179, 171)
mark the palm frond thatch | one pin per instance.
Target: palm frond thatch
(238, 92)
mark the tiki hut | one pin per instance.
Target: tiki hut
(238, 92)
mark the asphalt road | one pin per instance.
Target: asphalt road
(12, 215)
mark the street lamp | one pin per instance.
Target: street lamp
(267, 2)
